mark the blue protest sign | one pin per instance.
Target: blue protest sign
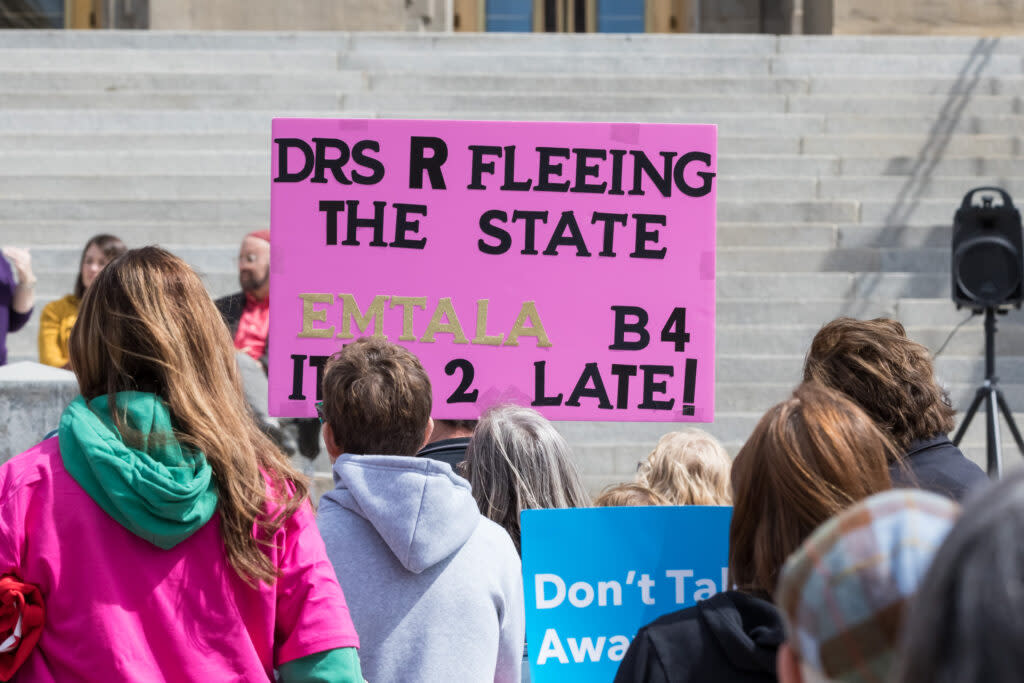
(593, 577)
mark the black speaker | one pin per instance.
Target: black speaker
(988, 255)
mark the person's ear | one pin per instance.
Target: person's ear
(334, 449)
(427, 432)
(787, 665)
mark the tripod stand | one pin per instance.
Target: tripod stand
(989, 393)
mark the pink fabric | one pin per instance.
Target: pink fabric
(119, 608)
(253, 327)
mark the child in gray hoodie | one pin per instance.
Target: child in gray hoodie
(434, 589)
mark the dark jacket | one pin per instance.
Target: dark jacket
(731, 637)
(937, 465)
(451, 451)
(231, 307)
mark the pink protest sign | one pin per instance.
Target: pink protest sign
(565, 266)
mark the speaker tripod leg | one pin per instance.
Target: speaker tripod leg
(993, 450)
(979, 396)
(1008, 416)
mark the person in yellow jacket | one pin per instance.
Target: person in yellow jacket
(59, 316)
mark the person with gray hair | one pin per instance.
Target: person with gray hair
(965, 624)
(518, 461)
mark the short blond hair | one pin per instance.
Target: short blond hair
(689, 467)
(628, 495)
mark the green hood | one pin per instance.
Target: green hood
(160, 491)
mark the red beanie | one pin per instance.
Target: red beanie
(260, 235)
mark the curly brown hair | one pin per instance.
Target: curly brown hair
(888, 375)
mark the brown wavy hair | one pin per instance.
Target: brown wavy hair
(885, 373)
(148, 324)
(377, 398)
(808, 459)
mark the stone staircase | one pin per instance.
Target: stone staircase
(842, 160)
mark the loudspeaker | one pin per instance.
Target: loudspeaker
(988, 254)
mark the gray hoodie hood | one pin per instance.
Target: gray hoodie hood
(422, 510)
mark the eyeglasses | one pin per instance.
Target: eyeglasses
(320, 411)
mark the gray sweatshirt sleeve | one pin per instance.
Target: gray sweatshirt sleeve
(513, 625)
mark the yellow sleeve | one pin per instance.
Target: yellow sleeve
(53, 347)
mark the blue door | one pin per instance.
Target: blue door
(510, 15)
(621, 16)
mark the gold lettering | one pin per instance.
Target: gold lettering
(409, 305)
(311, 315)
(481, 326)
(374, 314)
(536, 329)
(451, 325)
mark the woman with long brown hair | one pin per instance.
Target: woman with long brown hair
(58, 317)
(170, 539)
(809, 458)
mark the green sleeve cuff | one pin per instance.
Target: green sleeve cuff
(340, 665)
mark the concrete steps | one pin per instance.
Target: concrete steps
(842, 160)
(31, 77)
(730, 234)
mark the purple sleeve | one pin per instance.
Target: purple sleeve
(18, 320)
(10, 321)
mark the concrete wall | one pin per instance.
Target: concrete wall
(32, 398)
(926, 17)
(299, 15)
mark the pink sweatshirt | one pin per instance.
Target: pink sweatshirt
(119, 608)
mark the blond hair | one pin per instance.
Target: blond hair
(689, 467)
(628, 495)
